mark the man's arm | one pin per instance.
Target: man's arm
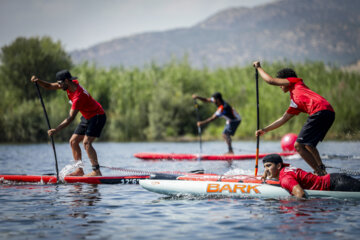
(212, 118)
(65, 123)
(298, 192)
(289, 183)
(194, 96)
(264, 176)
(269, 79)
(44, 84)
(278, 123)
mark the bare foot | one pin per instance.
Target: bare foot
(94, 173)
(77, 172)
(229, 153)
(321, 170)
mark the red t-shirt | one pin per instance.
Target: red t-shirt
(302, 99)
(81, 100)
(290, 177)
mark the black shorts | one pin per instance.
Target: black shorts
(316, 127)
(91, 127)
(230, 128)
(344, 183)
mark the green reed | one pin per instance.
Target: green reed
(154, 102)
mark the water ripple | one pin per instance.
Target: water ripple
(81, 211)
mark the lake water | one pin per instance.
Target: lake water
(84, 211)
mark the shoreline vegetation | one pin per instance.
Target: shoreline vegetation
(154, 103)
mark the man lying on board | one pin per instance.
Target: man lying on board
(224, 110)
(295, 180)
(302, 99)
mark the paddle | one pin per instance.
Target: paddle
(48, 123)
(258, 121)
(199, 128)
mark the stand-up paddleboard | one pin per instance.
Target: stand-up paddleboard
(233, 189)
(287, 145)
(204, 157)
(134, 179)
(129, 176)
(230, 186)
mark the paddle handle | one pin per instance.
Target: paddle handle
(257, 122)
(199, 128)
(200, 141)
(48, 123)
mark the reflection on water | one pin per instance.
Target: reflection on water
(82, 195)
(82, 211)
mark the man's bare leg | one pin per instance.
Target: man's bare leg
(316, 155)
(76, 150)
(228, 142)
(309, 157)
(92, 155)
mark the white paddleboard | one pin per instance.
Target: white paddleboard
(233, 189)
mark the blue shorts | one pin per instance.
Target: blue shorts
(230, 128)
(91, 127)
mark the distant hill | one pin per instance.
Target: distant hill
(298, 30)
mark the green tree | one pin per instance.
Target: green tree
(22, 118)
(26, 57)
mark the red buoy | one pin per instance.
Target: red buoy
(288, 141)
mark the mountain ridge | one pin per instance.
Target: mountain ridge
(316, 30)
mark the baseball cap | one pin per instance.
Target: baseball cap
(64, 74)
(274, 158)
(217, 95)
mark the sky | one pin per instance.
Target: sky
(80, 24)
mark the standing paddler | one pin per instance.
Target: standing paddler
(302, 99)
(224, 110)
(92, 120)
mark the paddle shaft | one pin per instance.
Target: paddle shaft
(257, 122)
(199, 128)
(48, 123)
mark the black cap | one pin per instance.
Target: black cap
(217, 95)
(274, 158)
(64, 74)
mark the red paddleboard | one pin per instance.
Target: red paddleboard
(204, 157)
(72, 179)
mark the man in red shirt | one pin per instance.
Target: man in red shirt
(224, 110)
(92, 120)
(295, 180)
(302, 99)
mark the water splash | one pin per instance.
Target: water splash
(69, 169)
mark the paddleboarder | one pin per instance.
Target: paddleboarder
(302, 99)
(92, 120)
(224, 110)
(295, 180)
